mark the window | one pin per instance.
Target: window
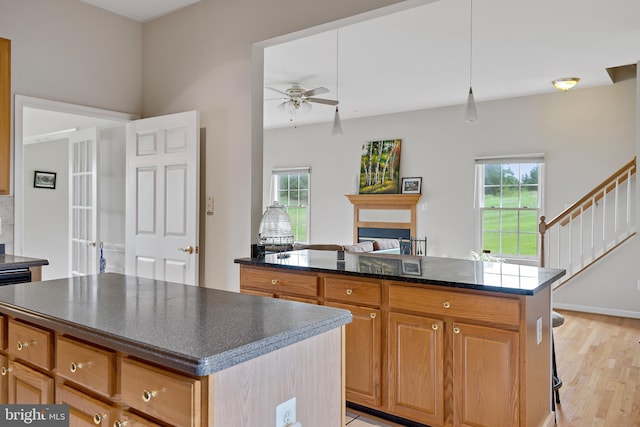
(509, 201)
(290, 188)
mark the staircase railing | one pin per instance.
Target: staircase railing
(591, 227)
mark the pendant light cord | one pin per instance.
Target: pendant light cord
(470, 40)
(337, 55)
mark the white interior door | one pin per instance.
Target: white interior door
(83, 218)
(163, 177)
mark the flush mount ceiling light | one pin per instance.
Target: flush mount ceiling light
(565, 83)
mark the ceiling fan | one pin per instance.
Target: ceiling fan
(296, 98)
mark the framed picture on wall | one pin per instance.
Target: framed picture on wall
(380, 167)
(411, 185)
(44, 179)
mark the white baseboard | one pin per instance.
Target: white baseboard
(598, 310)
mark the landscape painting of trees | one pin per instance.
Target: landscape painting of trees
(380, 167)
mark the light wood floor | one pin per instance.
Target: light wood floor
(599, 363)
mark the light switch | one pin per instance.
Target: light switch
(209, 205)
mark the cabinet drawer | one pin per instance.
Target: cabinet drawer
(352, 291)
(455, 304)
(85, 410)
(30, 344)
(170, 397)
(91, 367)
(275, 281)
(128, 419)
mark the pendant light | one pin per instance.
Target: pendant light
(337, 124)
(471, 114)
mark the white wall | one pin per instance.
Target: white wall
(585, 134)
(201, 58)
(67, 50)
(46, 213)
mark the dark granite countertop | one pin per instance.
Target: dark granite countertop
(450, 272)
(194, 330)
(12, 262)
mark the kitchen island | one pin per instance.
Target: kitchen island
(11, 267)
(122, 349)
(438, 341)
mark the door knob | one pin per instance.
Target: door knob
(188, 249)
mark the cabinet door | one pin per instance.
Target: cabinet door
(363, 365)
(27, 386)
(4, 379)
(416, 374)
(485, 376)
(84, 410)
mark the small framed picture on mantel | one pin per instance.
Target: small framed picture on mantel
(412, 185)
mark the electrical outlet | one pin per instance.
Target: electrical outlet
(539, 330)
(286, 413)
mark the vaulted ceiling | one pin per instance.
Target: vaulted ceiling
(420, 57)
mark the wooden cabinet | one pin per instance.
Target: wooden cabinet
(484, 380)
(416, 368)
(436, 355)
(86, 376)
(86, 365)
(85, 410)
(161, 394)
(31, 344)
(4, 380)
(278, 284)
(128, 419)
(363, 358)
(5, 116)
(352, 291)
(485, 376)
(28, 386)
(363, 342)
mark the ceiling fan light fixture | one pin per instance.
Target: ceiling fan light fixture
(565, 83)
(337, 123)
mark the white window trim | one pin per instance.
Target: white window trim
(479, 187)
(287, 171)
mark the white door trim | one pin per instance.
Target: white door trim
(20, 102)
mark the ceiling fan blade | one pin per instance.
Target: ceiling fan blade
(276, 90)
(317, 91)
(276, 99)
(323, 101)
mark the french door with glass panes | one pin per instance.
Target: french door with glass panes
(84, 200)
